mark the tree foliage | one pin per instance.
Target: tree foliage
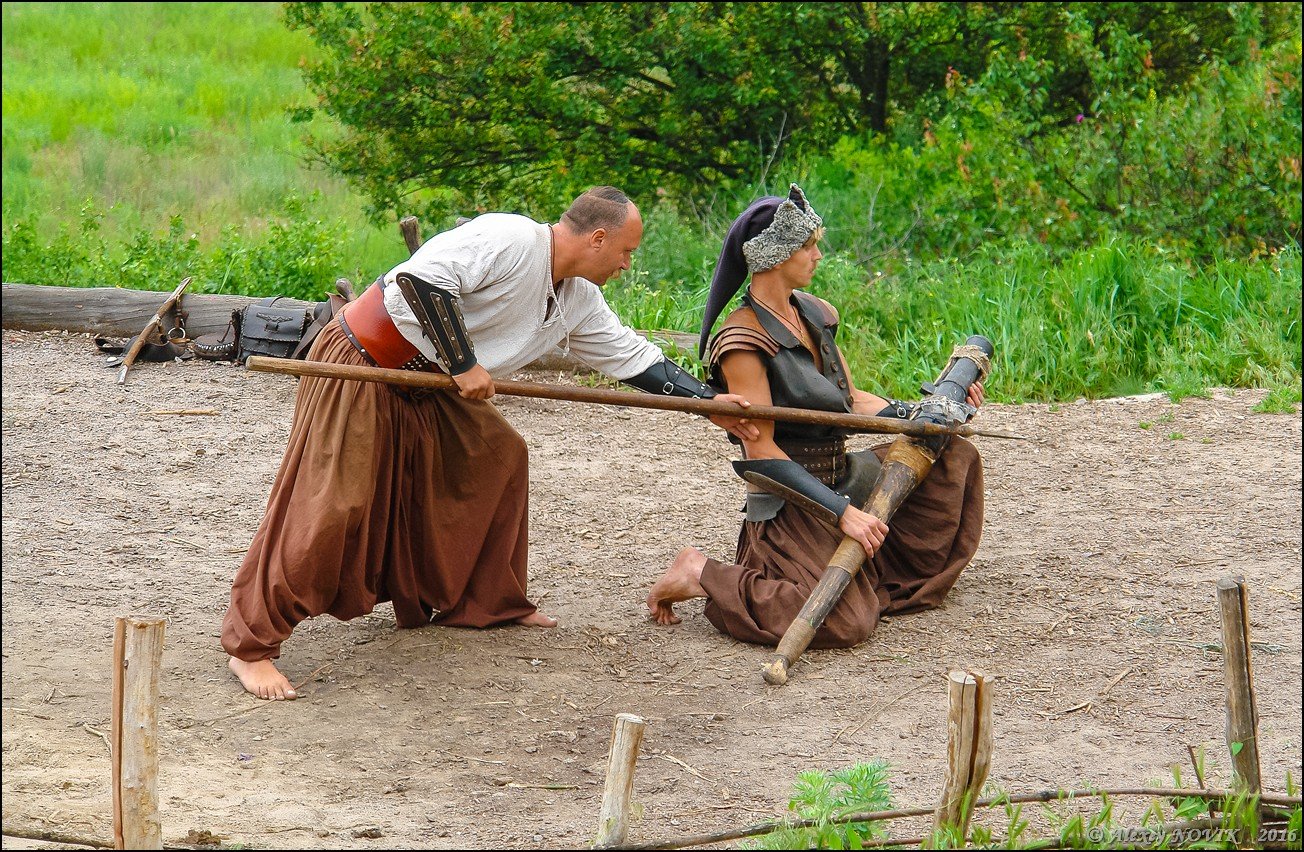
(447, 108)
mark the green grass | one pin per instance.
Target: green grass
(1281, 400)
(151, 111)
(1116, 319)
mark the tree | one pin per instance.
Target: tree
(451, 107)
(446, 108)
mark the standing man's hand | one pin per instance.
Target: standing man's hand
(976, 394)
(739, 427)
(475, 383)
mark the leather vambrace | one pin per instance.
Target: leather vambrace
(668, 379)
(441, 319)
(795, 484)
(898, 409)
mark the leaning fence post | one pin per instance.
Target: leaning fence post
(968, 748)
(411, 230)
(613, 820)
(1242, 715)
(137, 652)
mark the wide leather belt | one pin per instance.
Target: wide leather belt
(826, 460)
(367, 325)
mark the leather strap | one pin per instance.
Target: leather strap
(367, 325)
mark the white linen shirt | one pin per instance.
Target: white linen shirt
(499, 266)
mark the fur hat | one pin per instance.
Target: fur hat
(765, 235)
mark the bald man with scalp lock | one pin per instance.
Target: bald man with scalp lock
(420, 497)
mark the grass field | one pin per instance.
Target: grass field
(150, 111)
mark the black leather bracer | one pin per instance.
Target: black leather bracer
(668, 379)
(795, 484)
(898, 409)
(441, 319)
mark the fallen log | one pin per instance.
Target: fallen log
(114, 311)
(119, 312)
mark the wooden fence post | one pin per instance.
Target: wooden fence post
(1242, 715)
(137, 652)
(411, 230)
(613, 820)
(968, 748)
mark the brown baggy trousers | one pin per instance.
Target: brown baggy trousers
(931, 538)
(385, 496)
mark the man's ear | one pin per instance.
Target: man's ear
(597, 238)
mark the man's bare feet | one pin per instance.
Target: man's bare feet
(682, 581)
(537, 619)
(261, 678)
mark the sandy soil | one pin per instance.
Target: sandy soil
(1091, 600)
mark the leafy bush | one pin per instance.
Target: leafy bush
(296, 255)
(825, 796)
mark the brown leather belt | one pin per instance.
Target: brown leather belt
(826, 460)
(367, 325)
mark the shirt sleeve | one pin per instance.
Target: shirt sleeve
(465, 258)
(599, 339)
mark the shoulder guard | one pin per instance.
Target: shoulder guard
(669, 379)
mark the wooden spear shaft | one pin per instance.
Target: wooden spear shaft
(440, 381)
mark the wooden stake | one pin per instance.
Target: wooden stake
(969, 748)
(137, 652)
(1242, 715)
(613, 820)
(411, 230)
(155, 324)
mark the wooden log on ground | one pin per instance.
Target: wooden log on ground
(1242, 728)
(969, 748)
(613, 819)
(114, 311)
(137, 653)
(119, 312)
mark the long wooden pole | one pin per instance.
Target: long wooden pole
(137, 652)
(1242, 727)
(613, 819)
(440, 381)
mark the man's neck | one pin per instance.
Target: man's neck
(563, 255)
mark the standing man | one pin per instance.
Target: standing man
(420, 498)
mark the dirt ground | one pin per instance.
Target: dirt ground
(1091, 601)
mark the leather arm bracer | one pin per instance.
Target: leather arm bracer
(898, 409)
(669, 379)
(795, 484)
(441, 319)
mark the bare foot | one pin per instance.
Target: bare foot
(537, 619)
(681, 582)
(261, 678)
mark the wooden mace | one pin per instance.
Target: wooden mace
(908, 461)
(708, 407)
